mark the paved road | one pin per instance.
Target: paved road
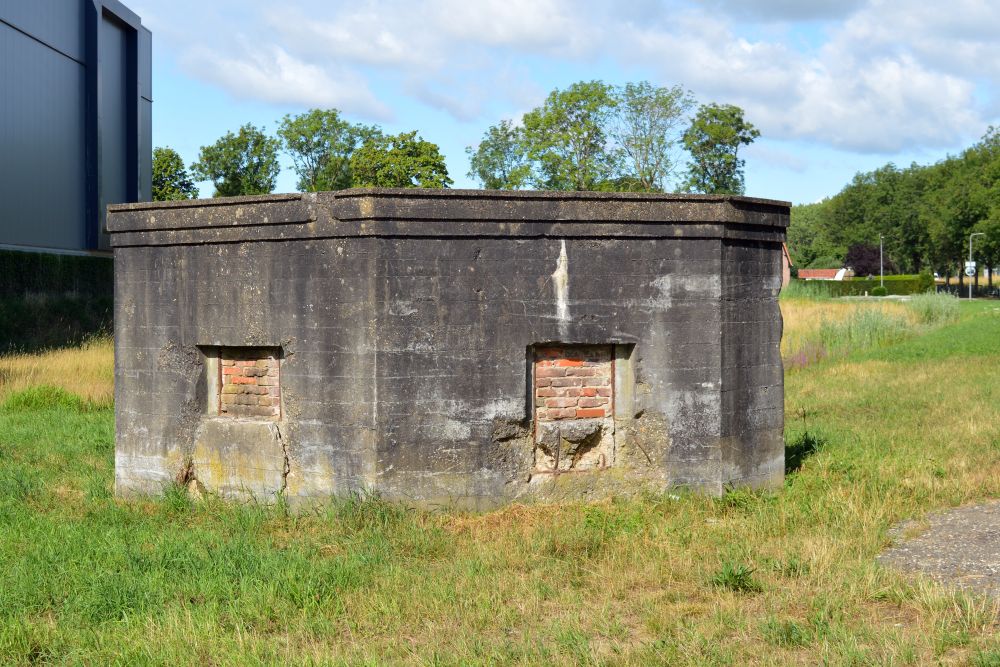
(960, 547)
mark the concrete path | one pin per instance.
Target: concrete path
(959, 547)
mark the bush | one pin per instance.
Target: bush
(925, 283)
(880, 291)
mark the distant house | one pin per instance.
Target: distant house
(825, 274)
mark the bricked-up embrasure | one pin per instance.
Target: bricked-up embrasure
(573, 382)
(250, 382)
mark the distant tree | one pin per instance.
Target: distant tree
(566, 137)
(646, 125)
(623, 183)
(500, 162)
(926, 213)
(245, 163)
(804, 242)
(399, 161)
(713, 140)
(320, 144)
(864, 259)
(987, 248)
(825, 262)
(590, 136)
(171, 180)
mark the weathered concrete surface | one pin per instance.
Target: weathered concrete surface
(960, 547)
(406, 323)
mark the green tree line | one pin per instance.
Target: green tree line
(924, 213)
(590, 136)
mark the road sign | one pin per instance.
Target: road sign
(970, 269)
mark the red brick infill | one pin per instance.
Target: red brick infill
(573, 382)
(249, 383)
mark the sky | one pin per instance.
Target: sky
(834, 86)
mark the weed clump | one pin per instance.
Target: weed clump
(736, 577)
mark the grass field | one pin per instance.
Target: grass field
(86, 371)
(874, 436)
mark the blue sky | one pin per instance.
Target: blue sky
(835, 86)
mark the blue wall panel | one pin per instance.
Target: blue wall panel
(75, 119)
(57, 23)
(42, 145)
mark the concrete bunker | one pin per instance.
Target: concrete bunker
(448, 347)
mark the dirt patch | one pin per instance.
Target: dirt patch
(959, 547)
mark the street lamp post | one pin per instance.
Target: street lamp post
(971, 236)
(881, 269)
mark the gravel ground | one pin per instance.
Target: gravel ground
(960, 547)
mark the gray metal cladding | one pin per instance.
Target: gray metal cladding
(67, 147)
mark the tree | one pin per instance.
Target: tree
(926, 213)
(320, 144)
(864, 259)
(646, 126)
(987, 248)
(399, 161)
(713, 140)
(500, 162)
(805, 236)
(245, 163)
(171, 180)
(566, 137)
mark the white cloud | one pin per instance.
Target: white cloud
(536, 26)
(271, 74)
(875, 76)
(788, 10)
(866, 90)
(363, 36)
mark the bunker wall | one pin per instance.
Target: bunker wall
(406, 326)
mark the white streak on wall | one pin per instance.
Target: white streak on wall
(560, 280)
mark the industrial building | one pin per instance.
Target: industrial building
(75, 121)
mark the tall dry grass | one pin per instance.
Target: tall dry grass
(86, 371)
(803, 318)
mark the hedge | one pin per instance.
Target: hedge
(42, 323)
(49, 301)
(898, 285)
(34, 273)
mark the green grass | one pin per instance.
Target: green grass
(863, 329)
(770, 578)
(805, 289)
(869, 326)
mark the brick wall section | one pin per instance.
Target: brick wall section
(573, 382)
(249, 383)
